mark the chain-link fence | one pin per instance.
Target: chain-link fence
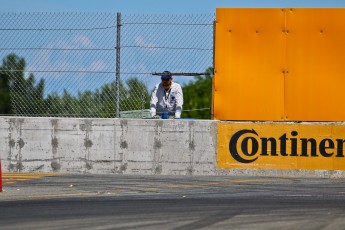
(96, 64)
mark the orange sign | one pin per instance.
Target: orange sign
(281, 146)
(279, 64)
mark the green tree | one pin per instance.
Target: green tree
(28, 97)
(5, 105)
(70, 104)
(65, 105)
(107, 98)
(197, 97)
(99, 103)
(25, 95)
(137, 95)
(53, 104)
(88, 104)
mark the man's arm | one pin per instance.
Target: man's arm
(153, 101)
(179, 102)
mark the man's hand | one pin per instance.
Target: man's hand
(156, 117)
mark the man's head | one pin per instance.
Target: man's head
(166, 80)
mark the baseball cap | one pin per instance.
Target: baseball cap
(166, 75)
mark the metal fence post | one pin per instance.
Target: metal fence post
(214, 67)
(118, 40)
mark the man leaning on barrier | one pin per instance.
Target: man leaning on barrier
(166, 99)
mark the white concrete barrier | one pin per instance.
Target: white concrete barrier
(125, 146)
(121, 146)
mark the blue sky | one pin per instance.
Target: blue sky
(153, 6)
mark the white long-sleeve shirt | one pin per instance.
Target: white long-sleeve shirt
(167, 101)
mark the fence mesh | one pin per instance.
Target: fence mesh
(64, 64)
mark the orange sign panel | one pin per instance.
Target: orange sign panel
(279, 64)
(315, 60)
(281, 146)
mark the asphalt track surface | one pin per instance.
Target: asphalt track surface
(170, 202)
